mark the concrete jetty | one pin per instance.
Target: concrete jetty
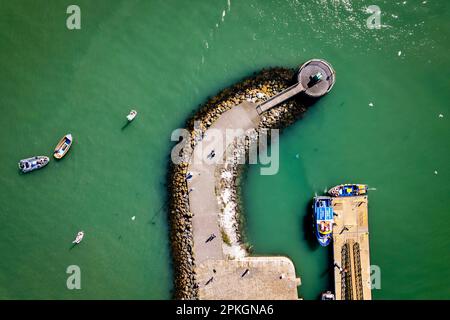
(304, 84)
(351, 248)
(223, 270)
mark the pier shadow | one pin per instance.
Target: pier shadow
(308, 227)
(330, 264)
(327, 274)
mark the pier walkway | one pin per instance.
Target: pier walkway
(351, 248)
(218, 276)
(202, 197)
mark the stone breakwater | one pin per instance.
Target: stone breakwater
(257, 88)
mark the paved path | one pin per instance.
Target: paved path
(202, 199)
(218, 276)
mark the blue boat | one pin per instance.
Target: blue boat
(348, 190)
(323, 218)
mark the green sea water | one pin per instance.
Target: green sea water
(385, 123)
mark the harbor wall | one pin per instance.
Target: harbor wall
(257, 88)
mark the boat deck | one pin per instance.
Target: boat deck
(351, 248)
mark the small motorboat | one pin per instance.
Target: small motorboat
(348, 190)
(63, 146)
(34, 163)
(131, 115)
(79, 237)
(323, 220)
(327, 295)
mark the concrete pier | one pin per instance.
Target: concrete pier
(224, 270)
(351, 248)
(218, 275)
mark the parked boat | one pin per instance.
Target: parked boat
(348, 190)
(323, 220)
(63, 146)
(79, 237)
(34, 163)
(131, 115)
(327, 295)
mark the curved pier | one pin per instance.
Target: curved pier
(210, 260)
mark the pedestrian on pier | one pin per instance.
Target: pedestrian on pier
(339, 267)
(211, 154)
(211, 237)
(209, 281)
(344, 229)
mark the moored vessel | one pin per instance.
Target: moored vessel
(63, 146)
(34, 163)
(131, 115)
(327, 295)
(79, 237)
(323, 220)
(348, 190)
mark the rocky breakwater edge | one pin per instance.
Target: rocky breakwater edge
(257, 88)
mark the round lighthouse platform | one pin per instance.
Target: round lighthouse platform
(309, 70)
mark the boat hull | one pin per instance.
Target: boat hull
(328, 295)
(323, 241)
(79, 237)
(348, 190)
(323, 220)
(131, 115)
(63, 146)
(33, 163)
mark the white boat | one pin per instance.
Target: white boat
(132, 115)
(34, 163)
(79, 237)
(328, 295)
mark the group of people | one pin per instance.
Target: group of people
(324, 226)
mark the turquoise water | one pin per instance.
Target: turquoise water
(164, 58)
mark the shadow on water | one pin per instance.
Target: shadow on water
(328, 273)
(126, 125)
(156, 213)
(310, 238)
(73, 246)
(308, 227)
